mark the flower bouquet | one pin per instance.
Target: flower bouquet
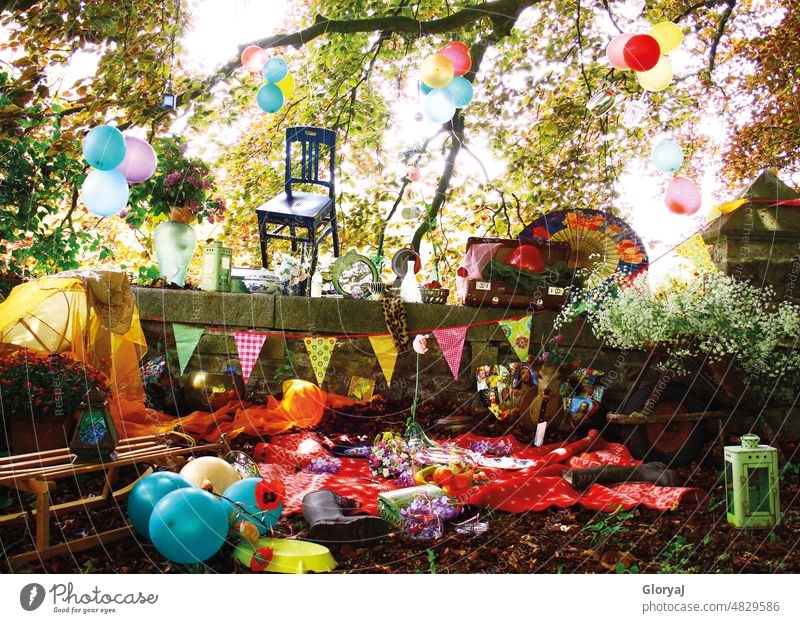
(292, 273)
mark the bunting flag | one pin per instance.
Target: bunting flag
(696, 250)
(186, 340)
(451, 343)
(386, 352)
(518, 333)
(319, 352)
(249, 347)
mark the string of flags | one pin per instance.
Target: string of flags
(320, 349)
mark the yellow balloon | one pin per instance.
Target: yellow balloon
(286, 86)
(668, 34)
(437, 71)
(658, 78)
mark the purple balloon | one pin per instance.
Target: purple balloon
(140, 160)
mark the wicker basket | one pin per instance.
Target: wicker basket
(434, 296)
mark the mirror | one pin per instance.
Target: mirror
(352, 273)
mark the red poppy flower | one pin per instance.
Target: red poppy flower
(270, 494)
(261, 559)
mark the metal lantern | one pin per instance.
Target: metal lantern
(216, 268)
(95, 436)
(751, 484)
(168, 100)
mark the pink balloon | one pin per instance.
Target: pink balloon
(458, 53)
(140, 160)
(683, 196)
(253, 58)
(615, 51)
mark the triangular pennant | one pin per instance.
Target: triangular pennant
(186, 339)
(249, 347)
(319, 352)
(518, 334)
(386, 352)
(451, 343)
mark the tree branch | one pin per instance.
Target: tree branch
(723, 22)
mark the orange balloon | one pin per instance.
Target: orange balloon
(253, 58)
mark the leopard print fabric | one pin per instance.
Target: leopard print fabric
(394, 313)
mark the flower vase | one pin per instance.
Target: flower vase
(298, 289)
(175, 243)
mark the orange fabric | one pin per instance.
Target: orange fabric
(302, 406)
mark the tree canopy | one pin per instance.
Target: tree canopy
(535, 64)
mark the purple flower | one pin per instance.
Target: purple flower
(424, 517)
(501, 447)
(324, 465)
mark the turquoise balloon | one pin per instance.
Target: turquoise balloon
(188, 525)
(269, 98)
(460, 91)
(104, 148)
(424, 88)
(147, 493)
(275, 70)
(243, 492)
(105, 193)
(667, 156)
(438, 106)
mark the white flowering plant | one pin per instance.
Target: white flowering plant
(716, 319)
(289, 269)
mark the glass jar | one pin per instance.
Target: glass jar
(447, 466)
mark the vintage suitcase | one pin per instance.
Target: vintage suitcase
(496, 293)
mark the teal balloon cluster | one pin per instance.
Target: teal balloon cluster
(440, 104)
(186, 524)
(115, 160)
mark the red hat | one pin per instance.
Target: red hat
(526, 257)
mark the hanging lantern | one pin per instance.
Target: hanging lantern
(216, 268)
(751, 484)
(169, 101)
(95, 436)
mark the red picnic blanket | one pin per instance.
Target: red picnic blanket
(531, 489)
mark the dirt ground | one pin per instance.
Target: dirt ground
(554, 541)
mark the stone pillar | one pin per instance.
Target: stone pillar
(760, 239)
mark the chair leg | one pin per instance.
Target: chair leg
(313, 267)
(293, 234)
(262, 235)
(334, 233)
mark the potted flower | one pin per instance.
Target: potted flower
(183, 190)
(40, 393)
(292, 273)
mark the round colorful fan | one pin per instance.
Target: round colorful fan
(601, 244)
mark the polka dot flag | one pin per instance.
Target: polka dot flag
(319, 352)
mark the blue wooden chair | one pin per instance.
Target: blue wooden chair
(303, 210)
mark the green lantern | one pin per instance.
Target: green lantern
(95, 436)
(216, 267)
(751, 484)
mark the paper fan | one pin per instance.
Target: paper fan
(601, 244)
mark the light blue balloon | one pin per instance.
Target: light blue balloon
(269, 98)
(105, 193)
(188, 525)
(424, 88)
(275, 70)
(243, 492)
(460, 91)
(438, 106)
(667, 156)
(104, 148)
(147, 493)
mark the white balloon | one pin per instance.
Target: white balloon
(219, 473)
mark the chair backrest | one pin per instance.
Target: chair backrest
(310, 141)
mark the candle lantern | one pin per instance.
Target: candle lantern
(216, 267)
(95, 435)
(751, 484)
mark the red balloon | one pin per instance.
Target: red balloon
(683, 196)
(641, 52)
(253, 58)
(458, 53)
(615, 53)
(526, 257)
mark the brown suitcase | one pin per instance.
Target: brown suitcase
(508, 294)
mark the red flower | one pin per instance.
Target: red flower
(270, 494)
(261, 559)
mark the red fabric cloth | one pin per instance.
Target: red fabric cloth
(531, 489)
